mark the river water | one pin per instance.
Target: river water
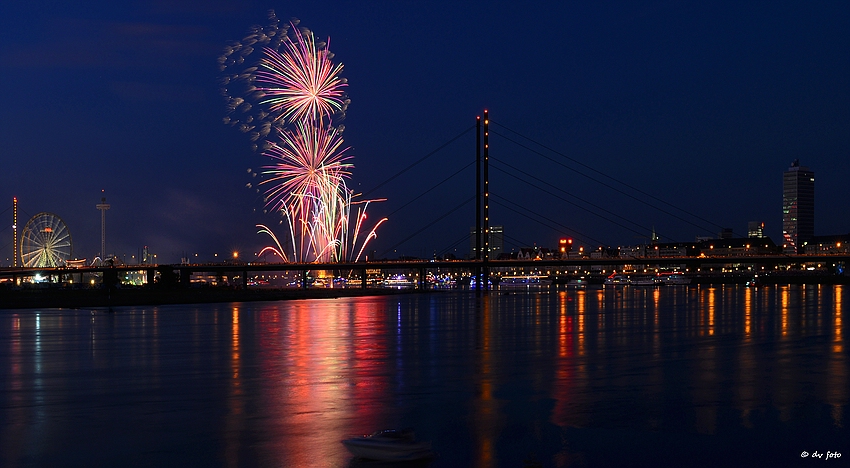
(670, 376)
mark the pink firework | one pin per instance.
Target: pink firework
(292, 98)
(308, 160)
(300, 81)
(306, 185)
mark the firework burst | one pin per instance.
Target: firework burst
(284, 90)
(306, 185)
(307, 160)
(279, 74)
(302, 82)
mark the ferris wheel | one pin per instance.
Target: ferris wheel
(45, 242)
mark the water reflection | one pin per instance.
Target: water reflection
(838, 374)
(566, 377)
(748, 310)
(706, 383)
(785, 292)
(580, 313)
(837, 340)
(13, 430)
(485, 405)
(235, 401)
(747, 372)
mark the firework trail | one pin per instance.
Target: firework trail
(307, 160)
(306, 185)
(283, 89)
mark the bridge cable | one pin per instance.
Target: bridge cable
(520, 244)
(579, 235)
(419, 160)
(552, 224)
(607, 185)
(444, 250)
(517, 242)
(609, 177)
(572, 195)
(429, 225)
(430, 189)
(29, 216)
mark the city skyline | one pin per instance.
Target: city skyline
(798, 228)
(699, 107)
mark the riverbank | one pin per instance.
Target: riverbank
(55, 297)
(34, 298)
(769, 278)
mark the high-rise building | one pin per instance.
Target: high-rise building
(755, 229)
(798, 206)
(497, 243)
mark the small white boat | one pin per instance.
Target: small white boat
(643, 281)
(617, 280)
(389, 445)
(398, 282)
(524, 281)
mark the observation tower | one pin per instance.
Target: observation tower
(102, 206)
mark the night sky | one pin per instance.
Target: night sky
(699, 106)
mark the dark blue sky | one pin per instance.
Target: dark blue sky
(702, 106)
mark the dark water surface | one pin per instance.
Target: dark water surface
(671, 376)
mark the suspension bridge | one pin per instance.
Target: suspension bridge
(481, 261)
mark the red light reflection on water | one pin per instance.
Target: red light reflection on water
(563, 414)
(323, 378)
(369, 346)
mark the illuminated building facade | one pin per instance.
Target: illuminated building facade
(755, 229)
(828, 245)
(798, 207)
(496, 241)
